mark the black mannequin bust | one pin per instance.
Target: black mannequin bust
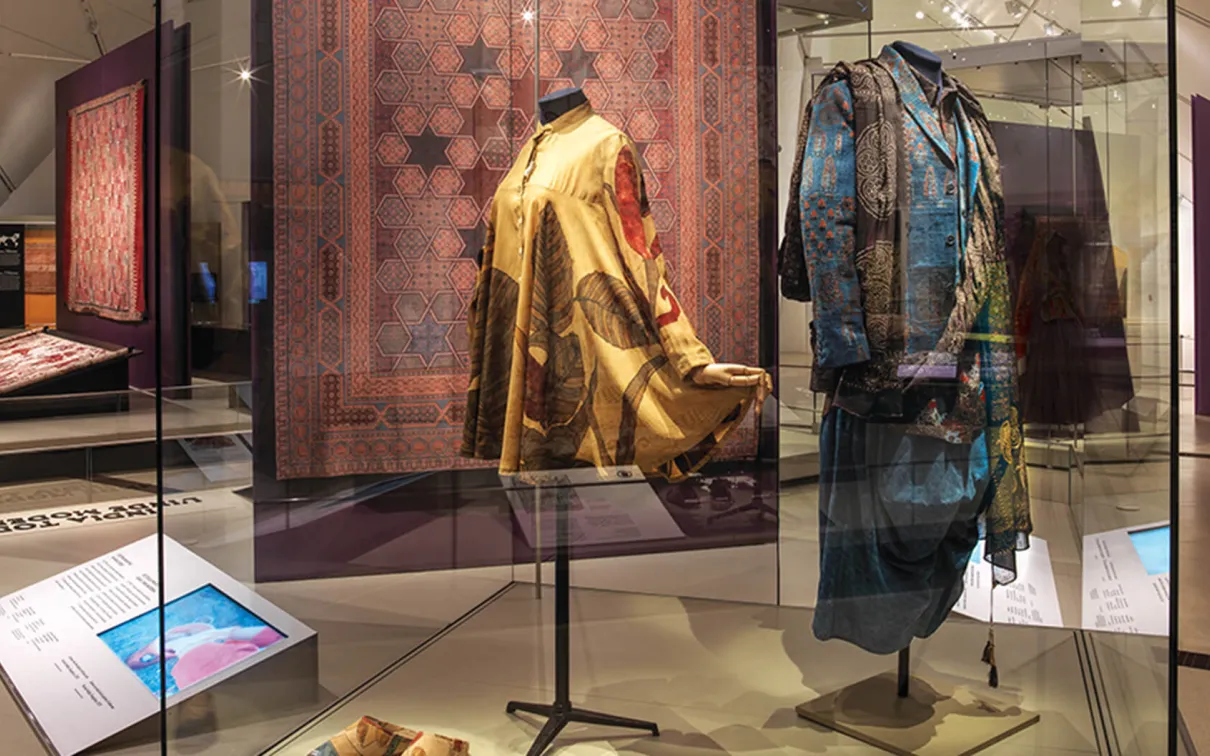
(924, 61)
(562, 101)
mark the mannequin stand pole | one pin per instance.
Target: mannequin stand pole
(905, 674)
(562, 713)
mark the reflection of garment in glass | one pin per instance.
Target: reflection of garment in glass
(1051, 338)
(1069, 326)
(214, 239)
(898, 522)
(901, 237)
(580, 352)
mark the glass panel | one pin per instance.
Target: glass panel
(1126, 110)
(1091, 467)
(411, 358)
(329, 201)
(78, 366)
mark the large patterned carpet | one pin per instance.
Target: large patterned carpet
(393, 122)
(104, 224)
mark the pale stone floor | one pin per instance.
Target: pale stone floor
(689, 640)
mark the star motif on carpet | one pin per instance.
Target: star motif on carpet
(428, 149)
(428, 275)
(472, 241)
(577, 64)
(428, 338)
(479, 60)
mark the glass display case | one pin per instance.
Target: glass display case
(661, 376)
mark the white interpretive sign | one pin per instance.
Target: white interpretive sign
(615, 505)
(82, 650)
(1126, 580)
(1031, 599)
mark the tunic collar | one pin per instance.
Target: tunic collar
(936, 95)
(568, 120)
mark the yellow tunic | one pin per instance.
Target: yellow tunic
(580, 353)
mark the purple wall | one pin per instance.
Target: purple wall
(1201, 253)
(129, 64)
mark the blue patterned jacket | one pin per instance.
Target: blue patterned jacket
(898, 238)
(884, 278)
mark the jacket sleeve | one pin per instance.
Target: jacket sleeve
(643, 259)
(791, 255)
(829, 229)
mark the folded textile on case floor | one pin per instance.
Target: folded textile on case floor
(33, 356)
(373, 737)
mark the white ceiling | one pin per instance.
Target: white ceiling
(40, 42)
(43, 40)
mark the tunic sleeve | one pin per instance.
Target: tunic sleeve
(829, 226)
(643, 260)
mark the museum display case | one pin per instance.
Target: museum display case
(507, 376)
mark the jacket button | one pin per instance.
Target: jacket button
(950, 188)
(950, 240)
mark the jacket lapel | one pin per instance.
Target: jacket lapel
(914, 101)
(973, 161)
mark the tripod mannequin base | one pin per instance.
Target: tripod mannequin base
(561, 715)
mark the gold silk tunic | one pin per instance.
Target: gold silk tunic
(580, 352)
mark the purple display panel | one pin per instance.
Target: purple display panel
(1201, 253)
(456, 520)
(129, 64)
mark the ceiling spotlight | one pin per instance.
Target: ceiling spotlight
(527, 16)
(1049, 29)
(1117, 3)
(1015, 8)
(245, 75)
(945, 9)
(919, 15)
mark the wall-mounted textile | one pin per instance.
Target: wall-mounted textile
(33, 356)
(392, 128)
(39, 260)
(104, 204)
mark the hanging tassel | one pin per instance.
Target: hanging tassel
(989, 651)
(989, 658)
